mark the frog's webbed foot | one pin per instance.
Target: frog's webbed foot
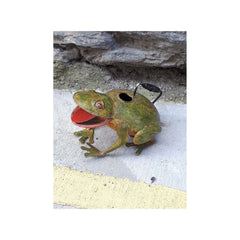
(86, 133)
(140, 147)
(92, 151)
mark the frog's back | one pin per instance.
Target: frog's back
(136, 111)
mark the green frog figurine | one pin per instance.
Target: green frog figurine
(126, 112)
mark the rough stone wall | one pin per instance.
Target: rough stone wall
(105, 60)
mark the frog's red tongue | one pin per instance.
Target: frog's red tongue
(80, 115)
(85, 119)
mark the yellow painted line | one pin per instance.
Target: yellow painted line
(87, 190)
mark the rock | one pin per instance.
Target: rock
(106, 60)
(142, 49)
(136, 57)
(93, 40)
(66, 54)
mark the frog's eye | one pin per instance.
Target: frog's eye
(99, 105)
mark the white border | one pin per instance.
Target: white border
(212, 130)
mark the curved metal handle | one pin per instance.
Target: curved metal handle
(151, 88)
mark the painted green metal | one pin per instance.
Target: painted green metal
(125, 112)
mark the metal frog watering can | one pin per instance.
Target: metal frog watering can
(126, 112)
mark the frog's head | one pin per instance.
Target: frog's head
(93, 110)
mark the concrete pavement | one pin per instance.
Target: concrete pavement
(165, 161)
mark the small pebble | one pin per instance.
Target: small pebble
(153, 179)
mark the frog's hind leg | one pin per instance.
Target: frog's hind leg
(142, 140)
(140, 147)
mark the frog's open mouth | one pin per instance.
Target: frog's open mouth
(82, 118)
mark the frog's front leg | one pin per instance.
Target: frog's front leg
(86, 133)
(122, 139)
(92, 151)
